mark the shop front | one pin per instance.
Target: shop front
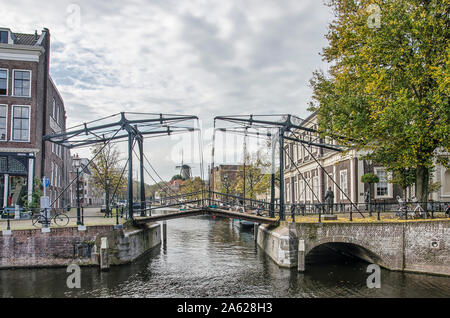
(16, 178)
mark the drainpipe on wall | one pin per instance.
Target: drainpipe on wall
(46, 79)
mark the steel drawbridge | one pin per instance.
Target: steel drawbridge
(133, 127)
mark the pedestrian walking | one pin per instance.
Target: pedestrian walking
(293, 207)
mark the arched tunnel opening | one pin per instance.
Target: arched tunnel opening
(340, 253)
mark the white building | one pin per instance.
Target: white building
(345, 169)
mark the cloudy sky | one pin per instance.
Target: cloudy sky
(206, 58)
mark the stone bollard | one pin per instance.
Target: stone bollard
(165, 233)
(104, 260)
(255, 231)
(94, 255)
(301, 256)
(16, 212)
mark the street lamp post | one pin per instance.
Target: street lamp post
(107, 196)
(226, 184)
(77, 165)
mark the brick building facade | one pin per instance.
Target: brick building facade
(223, 177)
(30, 107)
(90, 195)
(346, 171)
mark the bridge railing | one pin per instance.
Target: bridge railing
(17, 218)
(378, 209)
(261, 210)
(249, 203)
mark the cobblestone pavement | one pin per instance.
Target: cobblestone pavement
(92, 216)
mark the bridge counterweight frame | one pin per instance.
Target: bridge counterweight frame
(96, 135)
(286, 128)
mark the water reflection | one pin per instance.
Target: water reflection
(214, 258)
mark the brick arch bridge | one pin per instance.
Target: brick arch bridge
(420, 246)
(363, 249)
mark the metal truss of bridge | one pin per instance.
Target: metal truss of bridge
(200, 203)
(133, 127)
(277, 129)
(124, 126)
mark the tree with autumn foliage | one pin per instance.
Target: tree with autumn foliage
(193, 185)
(107, 165)
(257, 180)
(388, 84)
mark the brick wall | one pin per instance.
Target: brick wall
(64, 246)
(32, 248)
(421, 246)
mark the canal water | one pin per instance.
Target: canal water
(207, 257)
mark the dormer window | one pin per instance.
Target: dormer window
(4, 37)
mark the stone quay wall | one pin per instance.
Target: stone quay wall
(68, 245)
(419, 246)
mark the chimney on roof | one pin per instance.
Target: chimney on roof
(35, 35)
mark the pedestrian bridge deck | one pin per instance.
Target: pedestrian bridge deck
(208, 211)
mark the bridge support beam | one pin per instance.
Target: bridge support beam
(141, 155)
(301, 256)
(165, 234)
(281, 136)
(272, 183)
(104, 257)
(130, 175)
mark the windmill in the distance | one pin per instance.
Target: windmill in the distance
(185, 170)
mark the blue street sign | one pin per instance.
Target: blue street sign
(46, 182)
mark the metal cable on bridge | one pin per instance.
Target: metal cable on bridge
(331, 178)
(301, 174)
(82, 170)
(165, 182)
(157, 183)
(121, 175)
(200, 144)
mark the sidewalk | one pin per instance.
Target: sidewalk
(357, 218)
(92, 217)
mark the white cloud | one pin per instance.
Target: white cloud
(195, 57)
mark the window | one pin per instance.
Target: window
(21, 123)
(294, 152)
(308, 190)
(57, 115)
(22, 81)
(302, 190)
(56, 175)
(382, 185)
(3, 82)
(4, 37)
(3, 116)
(288, 192)
(51, 176)
(295, 190)
(343, 184)
(54, 108)
(329, 181)
(316, 187)
(446, 178)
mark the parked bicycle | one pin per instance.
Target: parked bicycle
(408, 207)
(60, 219)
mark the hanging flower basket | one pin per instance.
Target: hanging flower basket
(370, 178)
